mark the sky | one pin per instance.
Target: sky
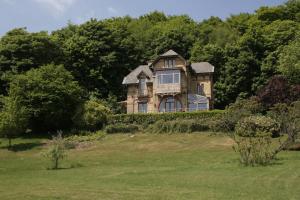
(49, 15)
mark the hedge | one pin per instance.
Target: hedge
(151, 118)
(178, 126)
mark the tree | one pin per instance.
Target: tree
(13, 119)
(277, 90)
(50, 94)
(289, 61)
(21, 51)
(56, 151)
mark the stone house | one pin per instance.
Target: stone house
(170, 84)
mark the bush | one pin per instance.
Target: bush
(177, 126)
(254, 141)
(151, 118)
(256, 126)
(92, 115)
(235, 112)
(121, 128)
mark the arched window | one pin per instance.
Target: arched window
(170, 104)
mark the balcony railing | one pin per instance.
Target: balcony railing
(168, 88)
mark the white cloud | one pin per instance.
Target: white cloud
(112, 10)
(57, 7)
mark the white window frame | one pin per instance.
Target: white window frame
(170, 63)
(160, 78)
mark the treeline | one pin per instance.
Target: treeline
(51, 74)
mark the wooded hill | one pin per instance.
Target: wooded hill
(246, 50)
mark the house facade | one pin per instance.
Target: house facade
(170, 84)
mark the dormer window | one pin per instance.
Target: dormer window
(142, 87)
(170, 63)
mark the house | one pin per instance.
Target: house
(170, 84)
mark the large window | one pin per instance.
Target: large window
(168, 77)
(197, 102)
(170, 104)
(142, 87)
(142, 107)
(170, 63)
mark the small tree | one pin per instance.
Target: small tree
(56, 151)
(288, 118)
(13, 119)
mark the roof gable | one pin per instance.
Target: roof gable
(203, 67)
(133, 77)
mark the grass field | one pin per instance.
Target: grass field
(190, 166)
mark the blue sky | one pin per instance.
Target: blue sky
(49, 15)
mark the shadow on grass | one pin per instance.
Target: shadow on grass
(23, 146)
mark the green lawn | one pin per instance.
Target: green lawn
(187, 166)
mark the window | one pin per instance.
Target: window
(200, 89)
(142, 87)
(142, 106)
(170, 63)
(168, 77)
(170, 104)
(198, 106)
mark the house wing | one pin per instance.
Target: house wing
(132, 77)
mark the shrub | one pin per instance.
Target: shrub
(256, 126)
(253, 140)
(235, 112)
(177, 126)
(92, 115)
(151, 118)
(288, 118)
(121, 128)
(56, 151)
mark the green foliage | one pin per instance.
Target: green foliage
(150, 118)
(50, 95)
(178, 126)
(256, 126)
(21, 51)
(288, 118)
(121, 128)
(253, 137)
(13, 119)
(235, 112)
(92, 115)
(289, 61)
(56, 151)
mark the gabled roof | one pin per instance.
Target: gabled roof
(169, 53)
(202, 67)
(132, 77)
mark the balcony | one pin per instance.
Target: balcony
(173, 88)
